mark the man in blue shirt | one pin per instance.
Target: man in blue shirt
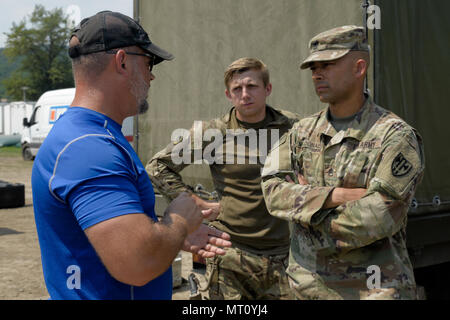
(93, 201)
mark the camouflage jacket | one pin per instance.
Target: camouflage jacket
(238, 182)
(334, 251)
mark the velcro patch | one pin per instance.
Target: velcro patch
(400, 166)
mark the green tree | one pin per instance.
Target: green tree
(41, 42)
(6, 68)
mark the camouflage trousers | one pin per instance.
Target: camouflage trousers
(318, 290)
(240, 275)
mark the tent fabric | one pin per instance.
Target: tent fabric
(410, 67)
(411, 77)
(205, 36)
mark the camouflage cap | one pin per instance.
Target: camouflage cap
(336, 43)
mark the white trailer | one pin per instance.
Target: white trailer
(11, 116)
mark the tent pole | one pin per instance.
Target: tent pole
(136, 16)
(365, 4)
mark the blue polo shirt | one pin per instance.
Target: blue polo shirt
(84, 173)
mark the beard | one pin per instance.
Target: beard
(143, 106)
(139, 89)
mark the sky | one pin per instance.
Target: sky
(17, 10)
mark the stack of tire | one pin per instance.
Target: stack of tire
(12, 195)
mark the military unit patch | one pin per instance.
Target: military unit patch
(400, 166)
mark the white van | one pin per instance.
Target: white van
(50, 106)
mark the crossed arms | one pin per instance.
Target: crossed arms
(348, 218)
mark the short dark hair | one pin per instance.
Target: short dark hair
(92, 64)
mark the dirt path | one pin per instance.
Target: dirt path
(20, 268)
(20, 261)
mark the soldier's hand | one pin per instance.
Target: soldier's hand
(207, 242)
(301, 179)
(210, 209)
(340, 196)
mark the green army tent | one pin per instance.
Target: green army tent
(409, 75)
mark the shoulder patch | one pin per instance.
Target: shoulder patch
(400, 166)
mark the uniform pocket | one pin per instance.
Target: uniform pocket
(211, 275)
(354, 170)
(309, 165)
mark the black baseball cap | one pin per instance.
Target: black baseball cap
(110, 30)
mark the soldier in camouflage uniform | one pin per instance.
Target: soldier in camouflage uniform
(345, 177)
(254, 268)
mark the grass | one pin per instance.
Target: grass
(10, 151)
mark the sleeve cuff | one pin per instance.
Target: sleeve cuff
(308, 213)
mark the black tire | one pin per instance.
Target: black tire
(26, 153)
(12, 195)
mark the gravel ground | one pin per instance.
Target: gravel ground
(20, 261)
